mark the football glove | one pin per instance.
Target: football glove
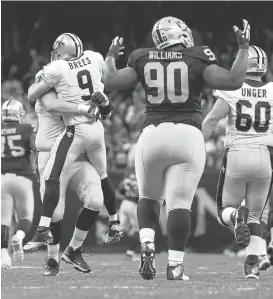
(99, 99)
(243, 37)
(116, 48)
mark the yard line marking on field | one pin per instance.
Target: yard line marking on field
(26, 267)
(30, 288)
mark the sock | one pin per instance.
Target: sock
(24, 225)
(20, 234)
(45, 221)
(109, 196)
(147, 235)
(263, 249)
(53, 251)
(56, 230)
(113, 217)
(228, 216)
(148, 211)
(50, 200)
(86, 219)
(254, 246)
(133, 242)
(4, 236)
(175, 257)
(179, 227)
(78, 238)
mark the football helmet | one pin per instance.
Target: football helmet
(67, 46)
(12, 110)
(257, 61)
(171, 31)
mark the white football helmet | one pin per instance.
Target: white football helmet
(257, 61)
(171, 31)
(67, 46)
(12, 110)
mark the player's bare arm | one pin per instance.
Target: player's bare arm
(36, 90)
(219, 78)
(117, 79)
(220, 109)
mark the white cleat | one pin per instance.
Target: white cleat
(5, 259)
(264, 262)
(17, 248)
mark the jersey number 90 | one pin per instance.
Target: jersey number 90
(262, 116)
(167, 82)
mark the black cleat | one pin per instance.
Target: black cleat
(114, 233)
(147, 261)
(74, 257)
(176, 273)
(241, 229)
(252, 267)
(270, 252)
(41, 238)
(52, 267)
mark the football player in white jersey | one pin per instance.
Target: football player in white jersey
(76, 77)
(248, 160)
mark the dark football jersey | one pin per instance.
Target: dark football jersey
(172, 81)
(15, 144)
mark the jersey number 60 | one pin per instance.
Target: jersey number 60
(169, 82)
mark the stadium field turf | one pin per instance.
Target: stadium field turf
(211, 276)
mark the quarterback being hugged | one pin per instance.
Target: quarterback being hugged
(170, 153)
(248, 160)
(18, 140)
(76, 76)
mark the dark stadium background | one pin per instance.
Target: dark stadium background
(30, 28)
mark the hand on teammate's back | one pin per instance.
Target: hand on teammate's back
(243, 36)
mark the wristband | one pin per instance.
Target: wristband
(112, 54)
(244, 46)
(82, 108)
(106, 110)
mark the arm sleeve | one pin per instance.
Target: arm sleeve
(133, 59)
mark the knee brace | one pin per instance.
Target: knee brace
(92, 198)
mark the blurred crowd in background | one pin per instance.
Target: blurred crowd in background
(28, 35)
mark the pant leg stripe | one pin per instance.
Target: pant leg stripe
(62, 151)
(221, 181)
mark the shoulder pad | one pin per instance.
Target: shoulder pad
(203, 53)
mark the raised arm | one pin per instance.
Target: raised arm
(113, 78)
(220, 109)
(219, 78)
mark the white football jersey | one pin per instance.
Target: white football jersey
(50, 125)
(75, 80)
(250, 121)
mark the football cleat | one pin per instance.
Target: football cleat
(252, 267)
(241, 229)
(270, 252)
(52, 267)
(74, 257)
(176, 273)
(264, 262)
(17, 248)
(147, 261)
(5, 259)
(41, 238)
(114, 233)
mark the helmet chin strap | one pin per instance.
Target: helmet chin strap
(254, 78)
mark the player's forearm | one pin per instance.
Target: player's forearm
(31, 94)
(239, 68)
(63, 107)
(109, 69)
(208, 127)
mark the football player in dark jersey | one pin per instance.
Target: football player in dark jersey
(170, 153)
(18, 140)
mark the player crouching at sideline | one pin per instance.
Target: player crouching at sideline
(248, 160)
(16, 175)
(128, 214)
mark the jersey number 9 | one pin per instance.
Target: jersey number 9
(244, 121)
(167, 82)
(85, 82)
